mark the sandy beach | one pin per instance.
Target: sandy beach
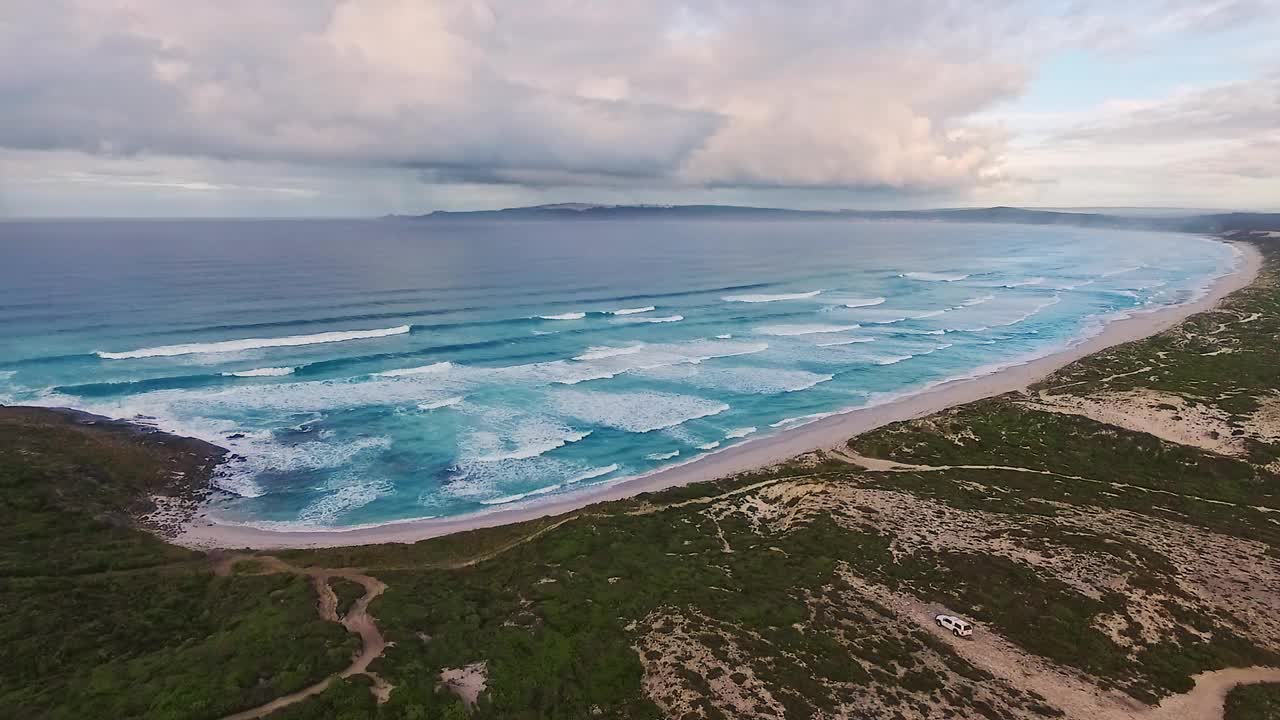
(824, 433)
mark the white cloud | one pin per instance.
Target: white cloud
(767, 94)
(355, 103)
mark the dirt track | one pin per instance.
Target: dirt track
(357, 620)
(1076, 695)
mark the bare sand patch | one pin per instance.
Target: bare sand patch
(467, 682)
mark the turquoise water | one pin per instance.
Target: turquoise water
(369, 371)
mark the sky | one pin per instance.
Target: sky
(318, 108)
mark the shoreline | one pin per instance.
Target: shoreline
(824, 433)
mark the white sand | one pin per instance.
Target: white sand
(825, 433)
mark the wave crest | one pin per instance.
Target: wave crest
(252, 343)
(261, 372)
(764, 298)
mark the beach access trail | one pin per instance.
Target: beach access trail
(356, 620)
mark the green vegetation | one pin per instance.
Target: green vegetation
(103, 620)
(347, 592)
(1253, 702)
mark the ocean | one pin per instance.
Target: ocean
(364, 372)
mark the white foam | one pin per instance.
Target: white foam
(709, 446)
(771, 298)
(933, 276)
(564, 316)
(531, 440)
(726, 336)
(600, 352)
(668, 319)
(437, 404)
(1033, 312)
(893, 360)
(261, 372)
(323, 511)
(739, 433)
(608, 363)
(745, 380)
(977, 300)
(592, 474)
(813, 329)
(636, 412)
(1122, 271)
(520, 496)
(632, 311)
(263, 455)
(928, 314)
(662, 456)
(420, 370)
(252, 343)
(868, 302)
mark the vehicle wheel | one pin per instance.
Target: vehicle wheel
(938, 623)
(956, 633)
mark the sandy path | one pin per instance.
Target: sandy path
(1075, 694)
(357, 620)
(871, 464)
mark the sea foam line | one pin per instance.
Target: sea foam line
(771, 298)
(868, 302)
(592, 474)
(668, 319)
(520, 496)
(599, 352)
(792, 330)
(261, 372)
(631, 311)
(933, 276)
(564, 316)
(447, 402)
(421, 370)
(535, 449)
(252, 343)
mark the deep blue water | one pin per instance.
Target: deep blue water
(377, 370)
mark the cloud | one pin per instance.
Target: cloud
(1235, 110)
(855, 94)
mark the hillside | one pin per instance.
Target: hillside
(1198, 223)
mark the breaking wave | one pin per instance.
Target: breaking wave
(422, 370)
(520, 496)
(771, 298)
(934, 277)
(592, 474)
(252, 344)
(814, 329)
(261, 372)
(868, 302)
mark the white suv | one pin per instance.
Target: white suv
(958, 627)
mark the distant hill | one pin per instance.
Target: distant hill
(1203, 223)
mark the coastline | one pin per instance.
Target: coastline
(820, 434)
